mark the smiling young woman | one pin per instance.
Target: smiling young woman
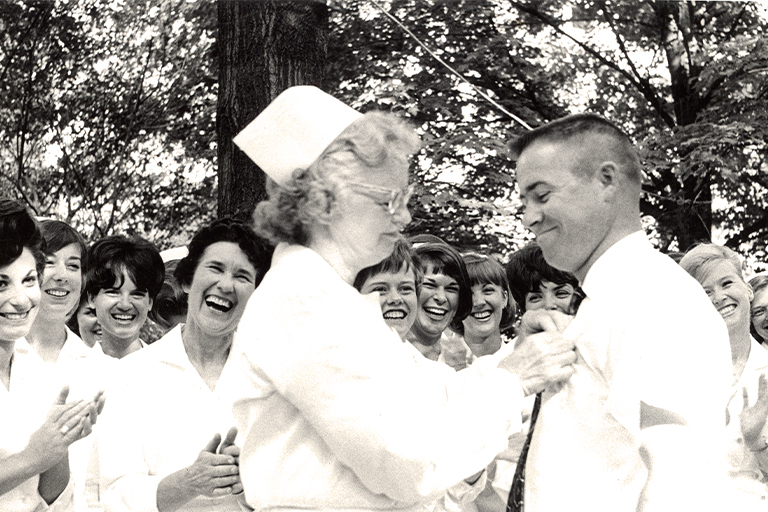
(719, 271)
(34, 468)
(62, 285)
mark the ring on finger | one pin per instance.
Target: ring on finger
(64, 429)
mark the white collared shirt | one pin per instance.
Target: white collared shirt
(23, 409)
(646, 332)
(743, 468)
(333, 413)
(160, 415)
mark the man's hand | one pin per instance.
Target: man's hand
(541, 356)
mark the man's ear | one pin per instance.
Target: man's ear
(608, 176)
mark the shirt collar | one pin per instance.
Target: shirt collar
(620, 257)
(301, 257)
(170, 349)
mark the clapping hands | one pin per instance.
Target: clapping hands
(64, 424)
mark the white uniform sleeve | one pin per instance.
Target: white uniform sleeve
(407, 431)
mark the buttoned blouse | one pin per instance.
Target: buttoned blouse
(746, 476)
(23, 409)
(335, 415)
(646, 332)
(160, 415)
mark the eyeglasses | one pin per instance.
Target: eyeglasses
(391, 199)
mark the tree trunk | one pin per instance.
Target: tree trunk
(264, 48)
(691, 221)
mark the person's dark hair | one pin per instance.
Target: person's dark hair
(258, 251)
(72, 322)
(111, 255)
(446, 260)
(574, 126)
(482, 270)
(527, 268)
(371, 142)
(425, 238)
(171, 301)
(401, 256)
(58, 235)
(757, 283)
(20, 230)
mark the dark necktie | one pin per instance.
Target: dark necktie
(515, 500)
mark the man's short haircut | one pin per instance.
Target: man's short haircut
(402, 257)
(580, 125)
(139, 258)
(527, 268)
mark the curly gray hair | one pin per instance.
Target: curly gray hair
(368, 144)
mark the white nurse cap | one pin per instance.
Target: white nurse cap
(294, 130)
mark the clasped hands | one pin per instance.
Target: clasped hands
(216, 471)
(541, 357)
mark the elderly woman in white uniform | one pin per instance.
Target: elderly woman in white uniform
(333, 413)
(166, 443)
(34, 467)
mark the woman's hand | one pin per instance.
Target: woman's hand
(753, 418)
(64, 424)
(214, 473)
(228, 447)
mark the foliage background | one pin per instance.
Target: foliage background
(108, 108)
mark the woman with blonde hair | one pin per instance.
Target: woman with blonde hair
(719, 271)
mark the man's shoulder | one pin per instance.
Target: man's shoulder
(656, 287)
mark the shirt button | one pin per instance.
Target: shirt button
(739, 440)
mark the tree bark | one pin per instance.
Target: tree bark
(264, 47)
(691, 221)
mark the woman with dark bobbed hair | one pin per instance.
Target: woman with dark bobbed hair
(493, 310)
(166, 407)
(445, 299)
(84, 322)
(333, 413)
(535, 284)
(65, 264)
(124, 276)
(170, 305)
(719, 271)
(759, 308)
(34, 467)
